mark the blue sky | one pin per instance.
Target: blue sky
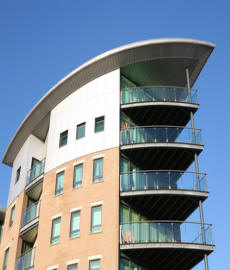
(42, 41)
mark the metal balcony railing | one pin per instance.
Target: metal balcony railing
(35, 171)
(26, 261)
(166, 232)
(158, 180)
(160, 134)
(30, 214)
(158, 93)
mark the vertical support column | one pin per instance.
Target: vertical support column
(197, 174)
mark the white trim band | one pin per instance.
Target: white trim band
(99, 156)
(61, 170)
(96, 203)
(56, 216)
(75, 209)
(95, 257)
(73, 262)
(78, 162)
(53, 267)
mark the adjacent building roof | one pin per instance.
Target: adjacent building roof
(193, 52)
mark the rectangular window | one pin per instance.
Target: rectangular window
(78, 171)
(75, 224)
(59, 183)
(55, 233)
(99, 124)
(80, 131)
(98, 170)
(6, 259)
(18, 174)
(72, 267)
(94, 265)
(12, 215)
(96, 219)
(63, 138)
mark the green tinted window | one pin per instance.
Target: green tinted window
(99, 124)
(59, 183)
(98, 170)
(81, 131)
(55, 234)
(63, 138)
(96, 219)
(75, 224)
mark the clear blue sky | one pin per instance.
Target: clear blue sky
(42, 41)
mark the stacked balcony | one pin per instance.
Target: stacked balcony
(26, 260)
(159, 147)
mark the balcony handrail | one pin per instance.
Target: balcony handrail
(37, 206)
(162, 126)
(159, 86)
(31, 177)
(176, 171)
(168, 221)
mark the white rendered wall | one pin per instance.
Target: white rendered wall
(33, 147)
(100, 97)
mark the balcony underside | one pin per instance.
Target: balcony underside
(166, 256)
(34, 189)
(161, 156)
(159, 113)
(29, 232)
(164, 204)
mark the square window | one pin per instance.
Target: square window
(80, 131)
(59, 183)
(18, 174)
(94, 265)
(99, 124)
(12, 215)
(77, 180)
(72, 267)
(63, 138)
(75, 224)
(96, 219)
(98, 170)
(55, 232)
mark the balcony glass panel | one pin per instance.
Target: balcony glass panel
(35, 171)
(26, 261)
(166, 232)
(148, 94)
(169, 180)
(160, 134)
(30, 214)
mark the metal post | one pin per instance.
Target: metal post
(187, 78)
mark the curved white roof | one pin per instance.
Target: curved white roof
(195, 51)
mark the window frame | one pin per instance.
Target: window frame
(53, 239)
(12, 214)
(75, 184)
(97, 179)
(6, 258)
(96, 260)
(78, 126)
(73, 264)
(78, 231)
(97, 119)
(96, 226)
(18, 174)
(57, 175)
(62, 134)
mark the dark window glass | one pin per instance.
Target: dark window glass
(99, 124)
(80, 131)
(12, 215)
(6, 259)
(78, 171)
(72, 267)
(17, 175)
(98, 170)
(59, 183)
(63, 138)
(55, 232)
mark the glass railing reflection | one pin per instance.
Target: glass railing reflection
(26, 261)
(35, 171)
(30, 213)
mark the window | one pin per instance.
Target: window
(75, 224)
(63, 138)
(99, 124)
(80, 131)
(59, 183)
(94, 265)
(96, 219)
(12, 215)
(6, 259)
(72, 267)
(55, 233)
(98, 170)
(18, 174)
(77, 181)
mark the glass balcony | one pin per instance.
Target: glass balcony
(158, 180)
(166, 232)
(30, 214)
(35, 171)
(26, 261)
(160, 134)
(147, 94)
